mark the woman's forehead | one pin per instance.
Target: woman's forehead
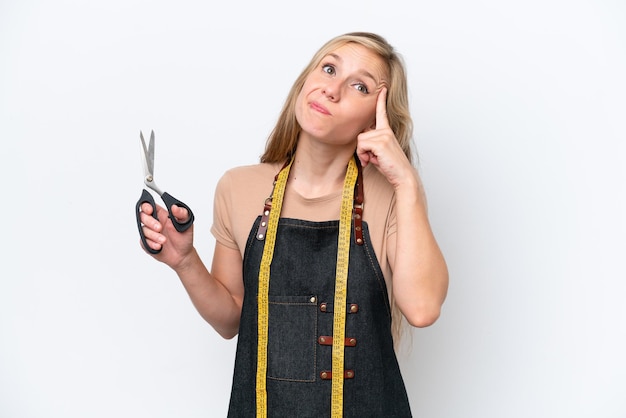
(363, 57)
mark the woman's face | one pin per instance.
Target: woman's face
(338, 99)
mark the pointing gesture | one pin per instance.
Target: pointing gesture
(381, 110)
(380, 147)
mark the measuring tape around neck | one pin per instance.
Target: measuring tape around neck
(264, 281)
(341, 290)
(341, 280)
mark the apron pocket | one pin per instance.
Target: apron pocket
(292, 334)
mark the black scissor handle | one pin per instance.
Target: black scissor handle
(146, 197)
(171, 200)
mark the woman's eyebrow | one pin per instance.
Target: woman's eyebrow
(362, 72)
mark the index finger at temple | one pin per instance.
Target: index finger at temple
(381, 110)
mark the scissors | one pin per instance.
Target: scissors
(146, 197)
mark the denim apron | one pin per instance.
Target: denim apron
(300, 329)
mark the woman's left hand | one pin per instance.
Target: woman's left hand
(380, 147)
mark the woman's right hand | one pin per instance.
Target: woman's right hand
(175, 246)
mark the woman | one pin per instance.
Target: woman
(353, 232)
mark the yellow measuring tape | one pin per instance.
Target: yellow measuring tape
(341, 281)
(341, 289)
(263, 296)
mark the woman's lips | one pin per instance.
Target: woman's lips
(318, 107)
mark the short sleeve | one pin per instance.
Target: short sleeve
(222, 209)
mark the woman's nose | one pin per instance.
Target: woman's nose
(332, 90)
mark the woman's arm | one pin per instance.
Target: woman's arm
(217, 295)
(420, 274)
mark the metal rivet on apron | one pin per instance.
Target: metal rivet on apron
(323, 307)
(313, 299)
(354, 308)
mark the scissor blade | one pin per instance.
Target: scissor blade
(148, 154)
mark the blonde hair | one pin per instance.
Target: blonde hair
(283, 140)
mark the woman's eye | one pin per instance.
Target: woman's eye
(328, 69)
(362, 88)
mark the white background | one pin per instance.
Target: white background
(520, 118)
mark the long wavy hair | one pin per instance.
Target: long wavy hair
(283, 139)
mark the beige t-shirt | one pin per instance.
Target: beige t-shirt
(241, 192)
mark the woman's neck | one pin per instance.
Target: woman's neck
(317, 175)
